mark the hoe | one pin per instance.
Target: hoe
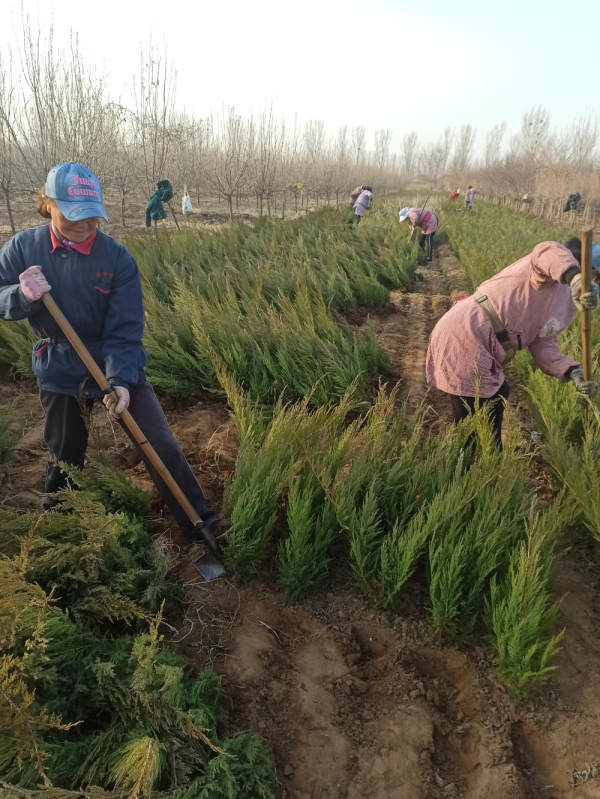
(209, 565)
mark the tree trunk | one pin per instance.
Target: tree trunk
(6, 191)
(260, 204)
(123, 222)
(230, 203)
(283, 206)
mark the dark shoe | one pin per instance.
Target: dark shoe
(51, 503)
(215, 526)
(219, 528)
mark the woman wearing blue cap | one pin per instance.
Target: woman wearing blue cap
(96, 283)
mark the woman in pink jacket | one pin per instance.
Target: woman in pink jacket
(525, 305)
(426, 221)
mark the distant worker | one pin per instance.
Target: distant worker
(572, 202)
(470, 197)
(154, 207)
(454, 194)
(526, 305)
(355, 194)
(526, 201)
(363, 203)
(428, 224)
(186, 202)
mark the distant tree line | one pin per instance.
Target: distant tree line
(54, 107)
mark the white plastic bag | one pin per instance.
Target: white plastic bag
(186, 202)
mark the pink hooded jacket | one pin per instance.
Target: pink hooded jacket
(419, 217)
(464, 356)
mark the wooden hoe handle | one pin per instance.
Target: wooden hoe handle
(586, 315)
(127, 419)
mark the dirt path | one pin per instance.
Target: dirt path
(355, 702)
(405, 333)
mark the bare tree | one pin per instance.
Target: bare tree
(463, 149)
(314, 145)
(383, 138)
(359, 139)
(435, 156)
(155, 90)
(341, 157)
(582, 141)
(124, 152)
(7, 144)
(493, 143)
(231, 156)
(267, 152)
(409, 158)
(535, 134)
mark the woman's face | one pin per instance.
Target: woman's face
(73, 231)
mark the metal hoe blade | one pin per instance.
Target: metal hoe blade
(210, 567)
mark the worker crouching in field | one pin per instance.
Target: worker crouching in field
(525, 305)
(363, 203)
(355, 194)
(96, 283)
(426, 221)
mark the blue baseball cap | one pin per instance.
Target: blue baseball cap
(76, 190)
(404, 214)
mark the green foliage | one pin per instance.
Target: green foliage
(305, 554)
(16, 343)
(264, 303)
(492, 238)
(522, 614)
(245, 773)
(8, 435)
(108, 485)
(391, 498)
(89, 694)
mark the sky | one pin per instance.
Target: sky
(378, 63)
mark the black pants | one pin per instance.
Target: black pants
(426, 242)
(463, 406)
(66, 434)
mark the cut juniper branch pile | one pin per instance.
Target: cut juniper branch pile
(89, 694)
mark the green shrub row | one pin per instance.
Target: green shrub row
(266, 303)
(312, 489)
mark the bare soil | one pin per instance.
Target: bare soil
(355, 702)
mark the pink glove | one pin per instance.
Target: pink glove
(117, 401)
(33, 283)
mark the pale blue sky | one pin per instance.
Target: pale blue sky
(381, 63)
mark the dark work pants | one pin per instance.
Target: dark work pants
(66, 434)
(463, 406)
(426, 242)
